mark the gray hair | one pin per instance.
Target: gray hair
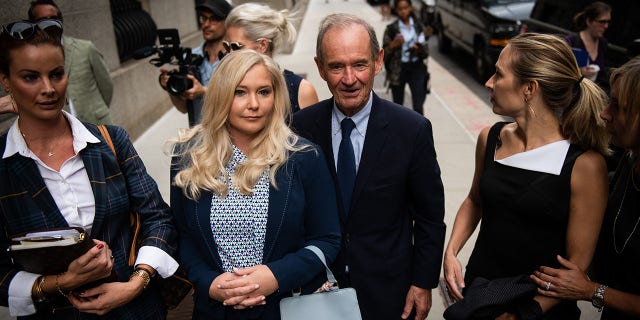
(345, 21)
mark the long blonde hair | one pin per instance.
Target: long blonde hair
(205, 149)
(549, 60)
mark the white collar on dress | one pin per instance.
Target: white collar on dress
(548, 158)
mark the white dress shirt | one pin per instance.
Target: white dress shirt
(73, 195)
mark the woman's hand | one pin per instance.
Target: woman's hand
(453, 275)
(106, 297)
(260, 277)
(196, 91)
(397, 41)
(94, 265)
(570, 283)
(227, 289)
(588, 71)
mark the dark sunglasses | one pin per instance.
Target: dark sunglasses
(228, 47)
(232, 46)
(21, 30)
(603, 21)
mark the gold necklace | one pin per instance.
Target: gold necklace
(615, 221)
(50, 153)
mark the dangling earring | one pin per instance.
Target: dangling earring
(13, 101)
(533, 112)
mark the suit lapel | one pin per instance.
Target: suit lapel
(277, 208)
(202, 212)
(94, 165)
(26, 171)
(373, 145)
(324, 139)
(323, 122)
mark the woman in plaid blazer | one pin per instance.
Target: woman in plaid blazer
(58, 172)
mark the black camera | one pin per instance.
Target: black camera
(169, 51)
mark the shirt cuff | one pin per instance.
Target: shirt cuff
(20, 301)
(164, 264)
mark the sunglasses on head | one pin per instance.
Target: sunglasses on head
(21, 30)
(232, 46)
(228, 48)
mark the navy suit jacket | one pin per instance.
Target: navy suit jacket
(302, 212)
(27, 205)
(393, 234)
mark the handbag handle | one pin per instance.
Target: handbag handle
(134, 219)
(320, 255)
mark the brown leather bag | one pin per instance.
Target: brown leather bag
(172, 289)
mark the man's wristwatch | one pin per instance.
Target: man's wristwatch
(597, 300)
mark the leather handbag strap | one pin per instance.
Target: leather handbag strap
(107, 137)
(320, 255)
(134, 219)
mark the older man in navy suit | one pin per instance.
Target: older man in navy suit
(388, 179)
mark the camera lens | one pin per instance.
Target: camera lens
(178, 84)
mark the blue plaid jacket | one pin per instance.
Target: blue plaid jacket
(26, 205)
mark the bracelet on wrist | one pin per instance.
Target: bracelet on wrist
(38, 291)
(62, 293)
(142, 273)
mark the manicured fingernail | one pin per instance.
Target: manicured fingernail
(100, 246)
(257, 286)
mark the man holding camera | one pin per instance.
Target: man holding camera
(211, 15)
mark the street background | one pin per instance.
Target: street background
(458, 108)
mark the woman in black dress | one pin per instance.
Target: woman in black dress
(615, 283)
(540, 183)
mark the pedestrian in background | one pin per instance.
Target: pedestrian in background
(540, 183)
(58, 172)
(90, 87)
(211, 16)
(248, 195)
(261, 28)
(384, 166)
(591, 24)
(614, 285)
(405, 50)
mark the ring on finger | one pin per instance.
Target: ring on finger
(547, 286)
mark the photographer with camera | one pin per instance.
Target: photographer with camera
(211, 15)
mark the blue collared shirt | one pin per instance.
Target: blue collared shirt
(361, 119)
(206, 70)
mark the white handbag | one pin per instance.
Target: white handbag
(334, 304)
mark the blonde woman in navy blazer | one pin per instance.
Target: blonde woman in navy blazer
(244, 154)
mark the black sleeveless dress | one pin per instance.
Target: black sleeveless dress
(524, 220)
(617, 264)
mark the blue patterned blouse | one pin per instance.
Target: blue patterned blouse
(238, 221)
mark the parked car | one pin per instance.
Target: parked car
(623, 34)
(480, 27)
